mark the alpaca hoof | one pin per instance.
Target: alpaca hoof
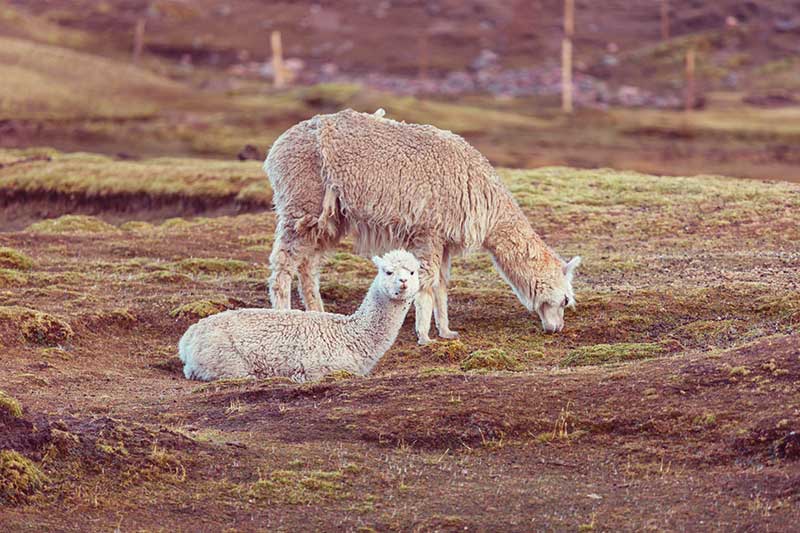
(424, 341)
(449, 334)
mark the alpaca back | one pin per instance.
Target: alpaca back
(395, 181)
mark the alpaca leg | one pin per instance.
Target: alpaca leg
(430, 257)
(308, 281)
(283, 265)
(440, 311)
(423, 308)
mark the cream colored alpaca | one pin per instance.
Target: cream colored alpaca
(393, 184)
(304, 346)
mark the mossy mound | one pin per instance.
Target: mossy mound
(35, 326)
(491, 359)
(212, 266)
(10, 278)
(72, 224)
(598, 354)
(19, 477)
(203, 308)
(448, 351)
(12, 259)
(10, 405)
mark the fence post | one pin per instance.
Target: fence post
(138, 39)
(690, 66)
(665, 19)
(566, 56)
(424, 56)
(279, 73)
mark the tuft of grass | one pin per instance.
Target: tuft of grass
(72, 224)
(448, 351)
(19, 477)
(35, 326)
(10, 277)
(491, 359)
(14, 260)
(337, 375)
(203, 308)
(299, 487)
(10, 405)
(598, 354)
(212, 266)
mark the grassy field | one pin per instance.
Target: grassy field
(668, 401)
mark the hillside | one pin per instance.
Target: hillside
(669, 399)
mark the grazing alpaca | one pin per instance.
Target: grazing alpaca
(304, 346)
(393, 184)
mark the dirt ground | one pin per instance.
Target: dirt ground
(669, 402)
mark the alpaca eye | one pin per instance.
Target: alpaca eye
(566, 301)
(388, 273)
(413, 273)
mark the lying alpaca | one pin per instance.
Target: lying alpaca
(393, 184)
(304, 346)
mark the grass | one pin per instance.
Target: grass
(35, 326)
(203, 308)
(19, 477)
(13, 259)
(212, 266)
(44, 81)
(301, 487)
(598, 354)
(10, 405)
(72, 224)
(491, 359)
(97, 177)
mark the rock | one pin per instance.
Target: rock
(250, 152)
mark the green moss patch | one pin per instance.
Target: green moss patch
(12, 259)
(10, 405)
(35, 326)
(19, 477)
(491, 359)
(448, 351)
(598, 354)
(204, 308)
(212, 266)
(72, 224)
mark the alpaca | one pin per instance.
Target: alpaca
(393, 184)
(304, 345)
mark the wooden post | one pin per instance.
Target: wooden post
(665, 19)
(690, 64)
(279, 79)
(424, 56)
(138, 39)
(566, 56)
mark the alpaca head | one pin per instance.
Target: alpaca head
(554, 293)
(398, 275)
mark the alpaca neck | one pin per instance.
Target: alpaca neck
(519, 254)
(375, 325)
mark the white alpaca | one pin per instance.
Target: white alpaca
(393, 184)
(304, 345)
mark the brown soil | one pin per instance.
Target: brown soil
(703, 437)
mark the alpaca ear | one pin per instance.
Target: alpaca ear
(378, 262)
(569, 268)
